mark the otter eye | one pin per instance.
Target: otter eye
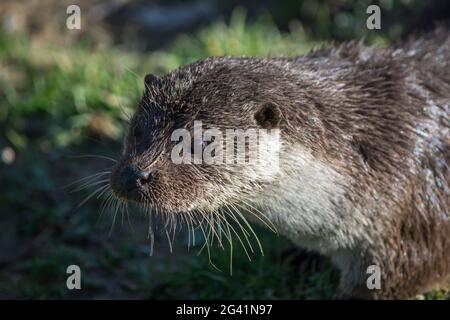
(268, 116)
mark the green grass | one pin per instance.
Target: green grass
(56, 103)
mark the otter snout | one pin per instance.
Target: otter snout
(128, 181)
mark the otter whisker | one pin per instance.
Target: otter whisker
(265, 221)
(89, 177)
(218, 222)
(185, 221)
(151, 236)
(240, 240)
(211, 226)
(150, 232)
(233, 216)
(217, 225)
(249, 228)
(170, 222)
(171, 232)
(122, 211)
(116, 208)
(175, 225)
(223, 220)
(91, 184)
(206, 244)
(168, 240)
(128, 218)
(106, 203)
(190, 222)
(227, 224)
(105, 190)
(206, 238)
(244, 231)
(211, 231)
(93, 193)
(94, 156)
(228, 236)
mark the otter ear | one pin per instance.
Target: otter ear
(151, 81)
(268, 116)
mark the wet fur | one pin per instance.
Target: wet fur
(364, 158)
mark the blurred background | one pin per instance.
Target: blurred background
(65, 94)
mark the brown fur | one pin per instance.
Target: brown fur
(379, 117)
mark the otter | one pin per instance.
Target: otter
(364, 154)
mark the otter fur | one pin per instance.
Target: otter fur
(364, 154)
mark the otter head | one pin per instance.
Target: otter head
(163, 162)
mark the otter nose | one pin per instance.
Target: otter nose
(133, 177)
